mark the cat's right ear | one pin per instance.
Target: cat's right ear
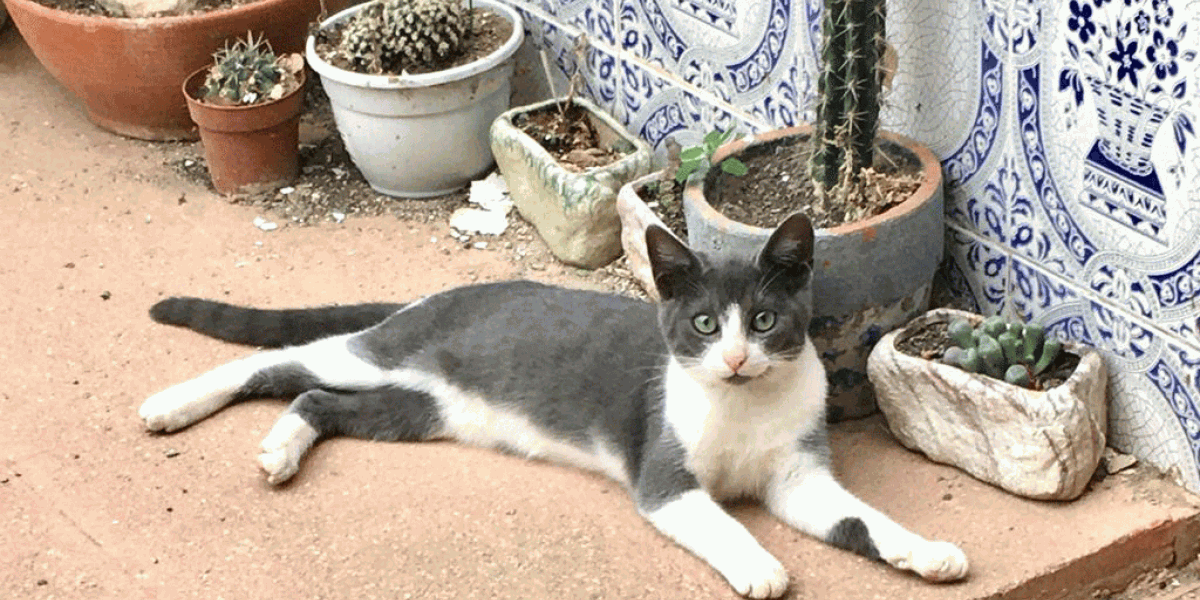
(790, 247)
(671, 261)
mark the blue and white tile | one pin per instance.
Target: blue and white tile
(596, 18)
(1106, 112)
(986, 269)
(659, 108)
(949, 82)
(558, 42)
(735, 50)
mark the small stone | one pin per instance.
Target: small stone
(480, 245)
(105, 295)
(171, 453)
(264, 224)
(1118, 461)
(286, 190)
(338, 217)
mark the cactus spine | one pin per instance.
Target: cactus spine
(1010, 351)
(394, 36)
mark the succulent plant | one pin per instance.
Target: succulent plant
(248, 72)
(393, 36)
(1005, 350)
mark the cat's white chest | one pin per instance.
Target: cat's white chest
(736, 437)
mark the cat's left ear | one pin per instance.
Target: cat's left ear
(790, 248)
(671, 261)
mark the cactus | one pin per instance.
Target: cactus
(394, 36)
(849, 85)
(248, 72)
(1013, 352)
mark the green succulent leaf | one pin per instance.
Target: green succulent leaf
(1018, 375)
(961, 333)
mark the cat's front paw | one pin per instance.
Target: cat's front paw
(758, 577)
(938, 561)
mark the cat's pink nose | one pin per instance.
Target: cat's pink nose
(734, 360)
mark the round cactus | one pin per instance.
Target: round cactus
(248, 72)
(394, 36)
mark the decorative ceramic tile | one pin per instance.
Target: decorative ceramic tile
(985, 268)
(658, 109)
(1106, 117)
(596, 18)
(599, 80)
(740, 51)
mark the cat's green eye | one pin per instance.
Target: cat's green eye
(763, 321)
(704, 323)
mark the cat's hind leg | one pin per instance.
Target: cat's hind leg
(285, 373)
(385, 414)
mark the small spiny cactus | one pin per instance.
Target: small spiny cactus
(1013, 352)
(248, 72)
(393, 36)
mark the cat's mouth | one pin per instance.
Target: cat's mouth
(736, 379)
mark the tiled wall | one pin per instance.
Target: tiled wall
(1067, 130)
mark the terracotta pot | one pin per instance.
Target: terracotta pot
(870, 276)
(127, 72)
(1042, 444)
(248, 148)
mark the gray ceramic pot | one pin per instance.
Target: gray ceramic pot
(871, 276)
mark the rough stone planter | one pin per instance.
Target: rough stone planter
(575, 213)
(421, 135)
(635, 217)
(127, 72)
(1039, 444)
(870, 276)
(248, 148)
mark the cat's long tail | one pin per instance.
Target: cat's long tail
(268, 328)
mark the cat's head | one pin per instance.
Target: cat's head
(736, 319)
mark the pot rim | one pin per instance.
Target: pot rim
(931, 180)
(137, 23)
(351, 78)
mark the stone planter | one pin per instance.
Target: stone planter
(248, 149)
(575, 213)
(422, 135)
(127, 72)
(635, 217)
(1039, 444)
(869, 277)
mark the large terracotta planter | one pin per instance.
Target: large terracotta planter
(1042, 444)
(575, 213)
(127, 72)
(870, 276)
(248, 148)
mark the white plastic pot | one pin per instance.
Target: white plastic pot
(421, 135)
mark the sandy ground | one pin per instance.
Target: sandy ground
(95, 228)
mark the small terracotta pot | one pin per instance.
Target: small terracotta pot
(248, 148)
(127, 71)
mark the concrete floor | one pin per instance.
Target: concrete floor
(92, 506)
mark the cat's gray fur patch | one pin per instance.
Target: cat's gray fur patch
(852, 534)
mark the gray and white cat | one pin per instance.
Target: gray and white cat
(717, 394)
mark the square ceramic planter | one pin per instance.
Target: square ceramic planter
(575, 213)
(1039, 444)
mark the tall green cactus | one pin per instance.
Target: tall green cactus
(848, 90)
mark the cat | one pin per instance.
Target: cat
(715, 394)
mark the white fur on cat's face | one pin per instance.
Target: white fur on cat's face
(733, 353)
